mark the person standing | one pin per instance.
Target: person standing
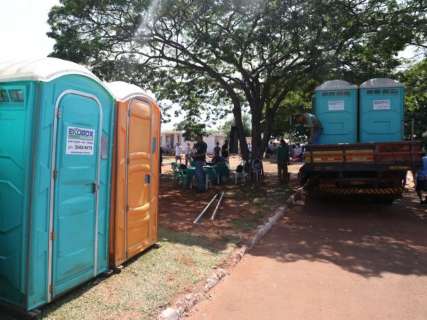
(282, 161)
(421, 181)
(311, 122)
(224, 150)
(187, 152)
(217, 150)
(199, 158)
(217, 154)
(178, 153)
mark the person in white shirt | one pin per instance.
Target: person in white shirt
(187, 152)
(178, 153)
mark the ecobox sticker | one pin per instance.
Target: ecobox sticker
(80, 141)
(381, 104)
(336, 105)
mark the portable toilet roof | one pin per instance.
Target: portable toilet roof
(335, 85)
(381, 83)
(44, 69)
(123, 91)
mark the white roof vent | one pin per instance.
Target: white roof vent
(382, 83)
(44, 69)
(336, 85)
(123, 91)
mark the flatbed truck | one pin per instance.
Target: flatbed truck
(376, 170)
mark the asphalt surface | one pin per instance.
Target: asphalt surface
(333, 260)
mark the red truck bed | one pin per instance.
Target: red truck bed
(363, 168)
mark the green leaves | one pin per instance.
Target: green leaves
(415, 80)
(213, 57)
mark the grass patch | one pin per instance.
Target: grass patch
(248, 222)
(146, 284)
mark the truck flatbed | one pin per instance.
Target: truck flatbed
(361, 168)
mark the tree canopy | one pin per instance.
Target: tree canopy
(415, 80)
(215, 57)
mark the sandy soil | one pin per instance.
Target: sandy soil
(243, 207)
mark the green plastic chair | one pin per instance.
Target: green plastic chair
(211, 174)
(222, 171)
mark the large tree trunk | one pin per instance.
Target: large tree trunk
(268, 128)
(257, 130)
(237, 112)
(257, 150)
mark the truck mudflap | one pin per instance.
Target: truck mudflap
(392, 191)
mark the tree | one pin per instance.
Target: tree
(226, 127)
(415, 80)
(237, 53)
(192, 129)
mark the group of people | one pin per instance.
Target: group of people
(197, 156)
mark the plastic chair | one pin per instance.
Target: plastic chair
(257, 169)
(222, 171)
(240, 173)
(211, 175)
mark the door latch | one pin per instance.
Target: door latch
(94, 187)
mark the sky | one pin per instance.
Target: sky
(23, 27)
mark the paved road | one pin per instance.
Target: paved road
(332, 261)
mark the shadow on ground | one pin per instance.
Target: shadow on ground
(360, 237)
(242, 209)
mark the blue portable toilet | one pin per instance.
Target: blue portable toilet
(381, 110)
(335, 105)
(56, 127)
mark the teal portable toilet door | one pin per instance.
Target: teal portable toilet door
(75, 181)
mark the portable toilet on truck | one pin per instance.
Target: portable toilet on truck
(335, 105)
(136, 172)
(381, 110)
(56, 127)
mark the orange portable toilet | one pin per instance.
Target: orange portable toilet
(135, 184)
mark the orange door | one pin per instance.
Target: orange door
(138, 173)
(135, 179)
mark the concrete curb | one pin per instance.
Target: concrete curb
(184, 305)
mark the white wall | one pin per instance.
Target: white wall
(210, 141)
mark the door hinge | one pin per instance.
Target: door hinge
(58, 113)
(55, 174)
(52, 236)
(50, 289)
(127, 208)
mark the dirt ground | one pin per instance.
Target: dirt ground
(187, 252)
(243, 207)
(339, 260)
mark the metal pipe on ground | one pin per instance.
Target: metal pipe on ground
(205, 209)
(217, 206)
